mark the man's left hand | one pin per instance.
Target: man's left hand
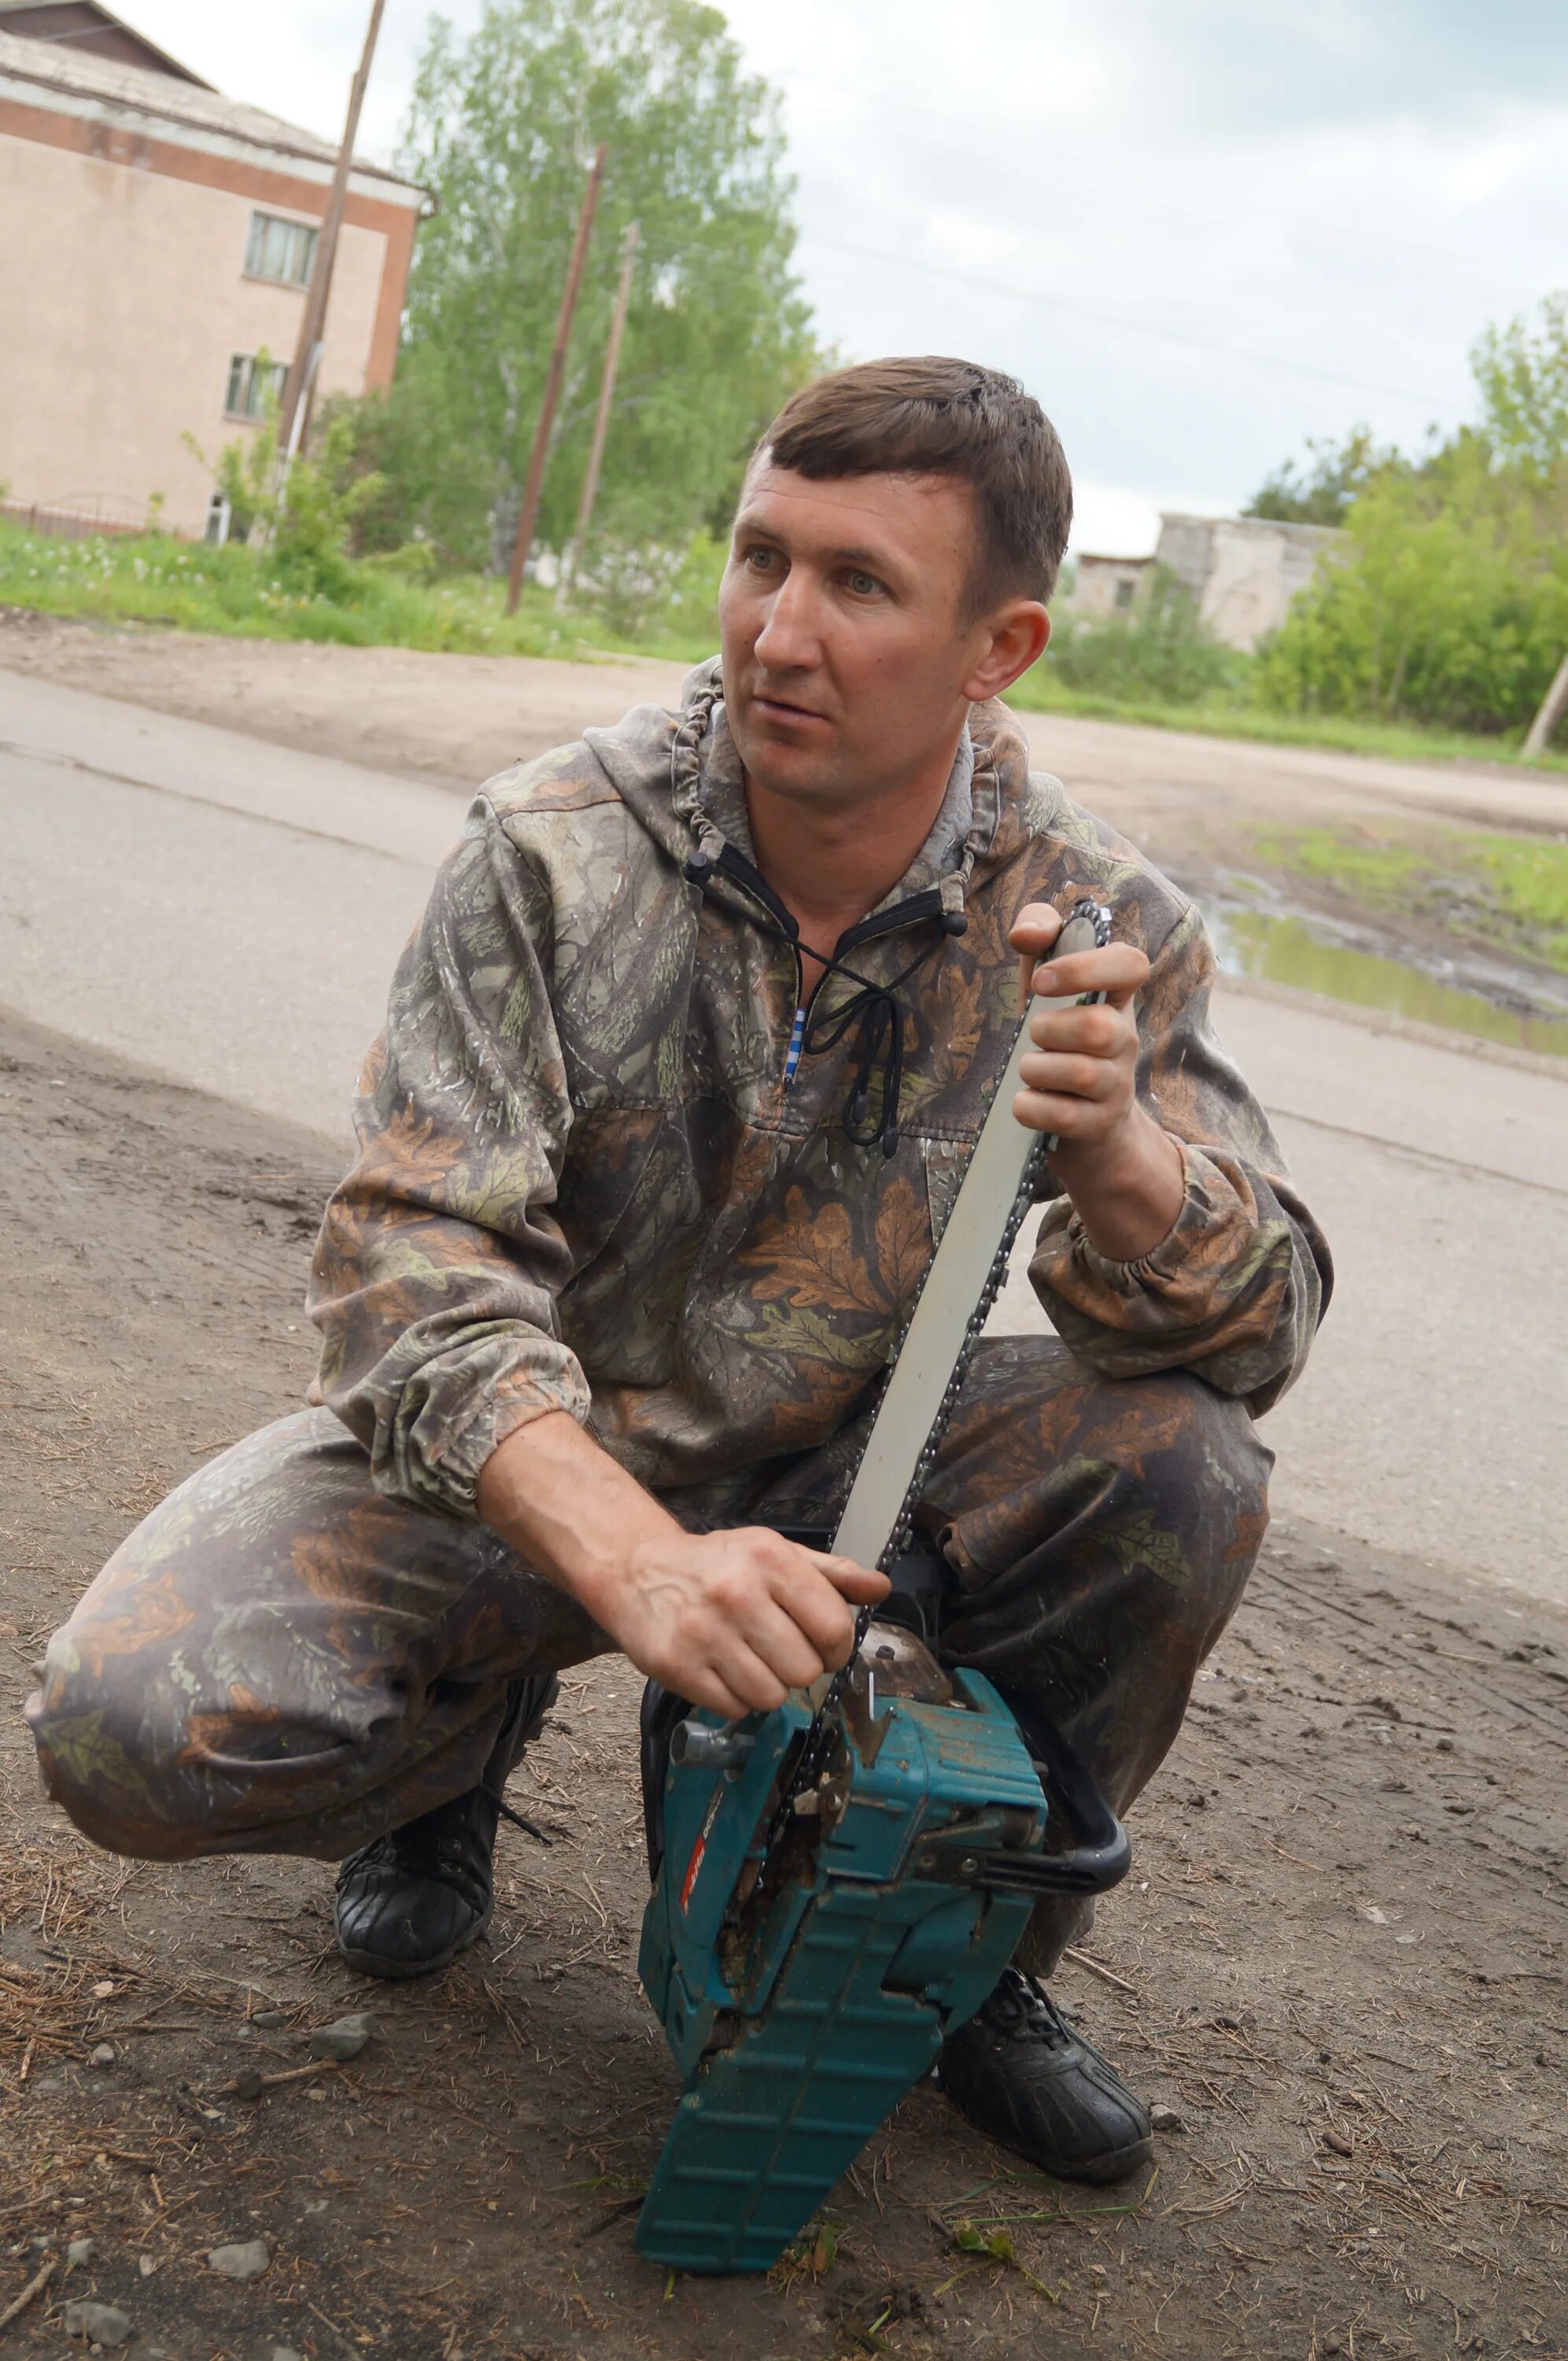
(1124, 1173)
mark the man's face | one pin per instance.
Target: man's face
(849, 660)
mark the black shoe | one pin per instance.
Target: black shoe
(1019, 2072)
(413, 1901)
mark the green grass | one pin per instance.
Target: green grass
(153, 580)
(1342, 733)
(156, 580)
(1508, 890)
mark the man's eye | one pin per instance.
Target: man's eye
(758, 558)
(863, 585)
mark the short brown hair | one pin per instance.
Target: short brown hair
(936, 417)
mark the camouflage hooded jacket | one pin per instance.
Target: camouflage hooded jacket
(585, 1182)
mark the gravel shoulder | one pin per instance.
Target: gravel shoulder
(1340, 1961)
(457, 720)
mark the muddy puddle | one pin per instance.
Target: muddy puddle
(1281, 947)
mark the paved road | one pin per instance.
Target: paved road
(226, 911)
(229, 911)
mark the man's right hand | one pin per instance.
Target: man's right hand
(730, 1621)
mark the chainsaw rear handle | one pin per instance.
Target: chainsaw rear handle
(1101, 1855)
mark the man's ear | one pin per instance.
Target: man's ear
(1016, 636)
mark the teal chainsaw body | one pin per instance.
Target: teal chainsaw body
(807, 1979)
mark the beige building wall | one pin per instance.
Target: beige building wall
(1242, 571)
(105, 360)
(1107, 586)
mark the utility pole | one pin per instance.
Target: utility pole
(606, 396)
(529, 517)
(301, 382)
(1554, 706)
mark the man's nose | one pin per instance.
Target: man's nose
(789, 640)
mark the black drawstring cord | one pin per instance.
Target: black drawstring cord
(874, 1004)
(882, 1039)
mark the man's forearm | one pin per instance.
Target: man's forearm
(1127, 1191)
(568, 1509)
(732, 1620)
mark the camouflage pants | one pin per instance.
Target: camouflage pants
(279, 1660)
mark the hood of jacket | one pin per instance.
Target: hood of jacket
(680, 773)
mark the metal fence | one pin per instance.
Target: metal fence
(75, 519)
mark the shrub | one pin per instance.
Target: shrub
(642, 592)
(1161, 650)
(1448, 604)
(306, 515)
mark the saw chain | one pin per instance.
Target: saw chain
(1086, 927)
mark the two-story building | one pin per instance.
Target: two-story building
(159, 240)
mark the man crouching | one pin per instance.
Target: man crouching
(679, 1078)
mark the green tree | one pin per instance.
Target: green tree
(501, 127)
(1322, 490)
(1448, 600)
(1522, 372)
(1447, 604)
(308, 513)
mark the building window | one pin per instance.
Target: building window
(253, 384)
(279, 249)
(1124, 593)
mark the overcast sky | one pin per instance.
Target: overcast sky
(1200, 230)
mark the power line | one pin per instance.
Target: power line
(963, 137)
(1044, 300)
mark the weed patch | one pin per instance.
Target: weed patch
(245, 593)
(1042, 691)
(1509, 891)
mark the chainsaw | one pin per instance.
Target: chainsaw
(839, 1883)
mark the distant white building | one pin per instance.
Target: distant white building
(1108, 586)
(1242, 571)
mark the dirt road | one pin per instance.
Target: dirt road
(1339, 1959)
(458, 719)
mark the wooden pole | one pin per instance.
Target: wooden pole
(301, 377)
(1554, 706)
(529, 517)
(606, 397)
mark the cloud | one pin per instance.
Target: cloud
(1200, 234)
(1192, 284)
